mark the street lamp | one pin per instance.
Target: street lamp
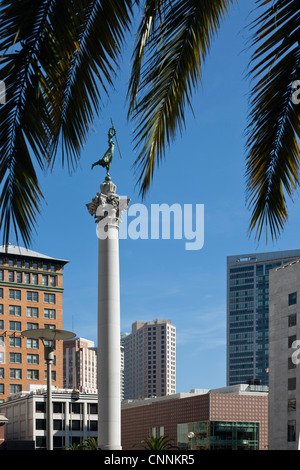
(47, 334)
(190, 436)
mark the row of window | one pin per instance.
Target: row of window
(16, 358)
(33, 312)
(17, 388)
(31, 296)
(29, 264)
(17, 325)
(32, 374)
(29, 278)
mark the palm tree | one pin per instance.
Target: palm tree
(57, 72)
(158, 443)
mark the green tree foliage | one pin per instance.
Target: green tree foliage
(59, 59)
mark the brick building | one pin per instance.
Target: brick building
(230, 418)
(31, 296)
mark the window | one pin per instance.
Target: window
(15, 358)
(32, 326)
(292, 319)
(40, 407)
(52, 281)
(32, 296)
(291, 431)
(14, 342)
(291, 364)
(32, 374)
(291, 404)
(93, 408)
(49, 313)
(13, 388)
(292, 383)
(32, 358)
(15, 326)
(293, 298)
(14, 294)
(15, 373)
(32, 343)
(49, 298)
(11, 276)
(34, 279)
(291, 339)
(32, 312)
(40, 424)
(58, 407)
(15, 310)
(1, 275)
(26, 278)
(45, 280)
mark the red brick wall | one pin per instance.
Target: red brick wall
(136, 421)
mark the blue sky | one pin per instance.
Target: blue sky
(159, 278)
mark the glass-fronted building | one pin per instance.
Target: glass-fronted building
(248, 314)
(218, 435)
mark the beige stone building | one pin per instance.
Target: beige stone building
(150, 359)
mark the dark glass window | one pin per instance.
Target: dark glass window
(293, 298)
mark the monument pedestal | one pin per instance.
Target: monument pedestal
(107, 208)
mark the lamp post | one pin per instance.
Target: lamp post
(47, 334)
(190, 436)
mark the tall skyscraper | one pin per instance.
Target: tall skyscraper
(150, 360)
(248, 314)
(31, 296)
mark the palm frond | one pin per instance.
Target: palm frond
(58, 56)
(273, 159)
(174, 39)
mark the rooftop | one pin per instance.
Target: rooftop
(24, 252)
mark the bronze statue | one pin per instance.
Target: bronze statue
(106, 160)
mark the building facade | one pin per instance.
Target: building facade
(231, 418)
(31, 296)
(284, 358)
(248, 314)
(150, 360)
(75, 418)
(80, 365)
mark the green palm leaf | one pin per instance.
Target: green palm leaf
(174, 39)
(273, 158)
(59, 56)
(158, 443)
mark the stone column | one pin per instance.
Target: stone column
(107, 208)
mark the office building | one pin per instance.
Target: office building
(248, 314)
(284, 358)
(75, 418)
(31, 296)
(150, 359)
(229, 418)
(80, 365)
